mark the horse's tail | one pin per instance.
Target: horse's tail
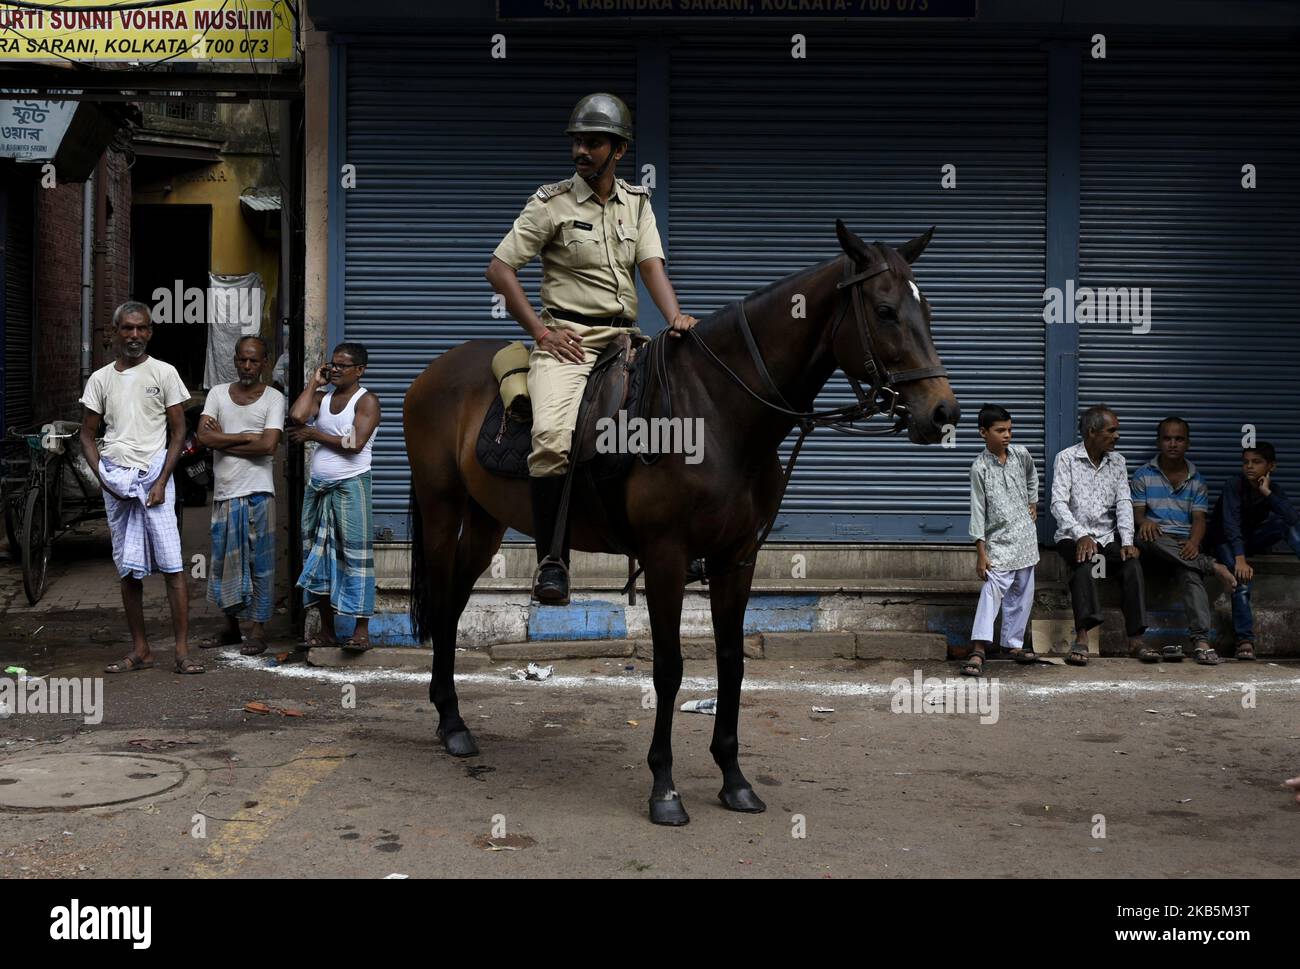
(420, 605)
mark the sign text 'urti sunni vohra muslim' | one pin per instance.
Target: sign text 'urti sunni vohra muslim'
(252, 30)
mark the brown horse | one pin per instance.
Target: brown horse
(751, 371)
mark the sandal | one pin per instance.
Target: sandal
(354, 646)
(971, 667)
(1245, 651)
(1149, 654)
(129, 665)
(1023, 656)
(225, 639)
(317, 643)
(1173, 653)
(187, 666)
(1206, 656)
(254, 647)
(1077, 656)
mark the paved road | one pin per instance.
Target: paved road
(1185, 776)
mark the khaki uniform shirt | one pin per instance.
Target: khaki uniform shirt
(588, 249)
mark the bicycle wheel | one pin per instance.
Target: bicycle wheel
(36, 545)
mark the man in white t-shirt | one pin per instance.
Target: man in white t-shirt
(139, 400)
(242, 422)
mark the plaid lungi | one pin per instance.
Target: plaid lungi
(242, 572)
(145, 540)
(338, 547)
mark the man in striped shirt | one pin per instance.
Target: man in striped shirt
(1170, 504)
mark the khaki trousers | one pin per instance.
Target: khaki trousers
(555, 388)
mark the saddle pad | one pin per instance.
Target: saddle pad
(503, 442)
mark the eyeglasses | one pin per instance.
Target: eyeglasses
(336, 366)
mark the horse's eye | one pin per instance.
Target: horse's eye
(886, 312)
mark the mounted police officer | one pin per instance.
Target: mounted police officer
(592, 231)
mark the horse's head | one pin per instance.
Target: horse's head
(883, 338)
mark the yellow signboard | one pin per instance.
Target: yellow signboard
(208, 30)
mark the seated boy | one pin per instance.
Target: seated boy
(1251, 516)
(1170, 502)
(1003, 508)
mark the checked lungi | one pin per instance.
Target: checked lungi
(338, 547)
(145, 539)
(241, 577)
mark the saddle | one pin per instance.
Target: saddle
(617, 382)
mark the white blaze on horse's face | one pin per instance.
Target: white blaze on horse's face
(915, 292)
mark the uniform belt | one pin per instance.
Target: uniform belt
(563, 314)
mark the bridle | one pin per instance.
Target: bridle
(882, 398)
(883, 381)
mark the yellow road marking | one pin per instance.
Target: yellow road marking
(277, 798)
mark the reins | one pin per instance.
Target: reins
(882, 398)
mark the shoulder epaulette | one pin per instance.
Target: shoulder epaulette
(548, 192)
(634, 189)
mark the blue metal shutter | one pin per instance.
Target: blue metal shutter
(1165, 135)
(766, 152)
(448, 144)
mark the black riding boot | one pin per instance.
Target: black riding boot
(551, 583)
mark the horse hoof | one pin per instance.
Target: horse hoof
(668, 810)
(459, 743)
(742, 799)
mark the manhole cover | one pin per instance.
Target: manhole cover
(69, 781)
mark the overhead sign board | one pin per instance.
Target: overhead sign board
(251, 30)
(756, 10)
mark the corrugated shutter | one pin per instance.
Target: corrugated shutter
(448, 145)
(767, 150)
(18, 306)
(1165, 136)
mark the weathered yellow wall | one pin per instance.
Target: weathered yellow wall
(236, 248)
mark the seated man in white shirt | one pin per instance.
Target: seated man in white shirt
(1094, 516)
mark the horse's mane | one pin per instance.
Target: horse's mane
(724, 314)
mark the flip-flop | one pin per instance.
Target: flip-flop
(129, 665)
(352, 646)
(1024, 656)
(1077, 656)
(1245, 651)
(317, 643)
(972, 668)
(254, 647)
(216, 642)
(1206, 656)
(187, 666)
(1149, 654)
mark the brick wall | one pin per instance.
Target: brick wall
(58, 289)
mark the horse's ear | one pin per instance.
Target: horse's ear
(911, 251)
(850, 243)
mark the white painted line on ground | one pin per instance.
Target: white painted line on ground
(691, 684)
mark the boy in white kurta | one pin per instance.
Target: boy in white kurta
(1003, 509)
